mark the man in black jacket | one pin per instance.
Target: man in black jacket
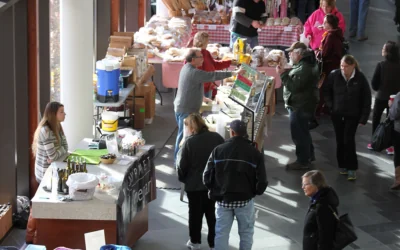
(234, 175)
(247, 18)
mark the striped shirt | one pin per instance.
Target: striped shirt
(48, 148)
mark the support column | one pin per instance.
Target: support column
(76, 36)
(115, 11)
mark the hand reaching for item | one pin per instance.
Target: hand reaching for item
(256, 24)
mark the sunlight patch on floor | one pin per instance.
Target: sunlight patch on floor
(281, 158)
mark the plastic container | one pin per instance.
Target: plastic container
(108, 73)
(109, 121)
(82, 186)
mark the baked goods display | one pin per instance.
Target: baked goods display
(205, 17)
(294, 21)
(275, 57)
(175, 54)
(164, 33)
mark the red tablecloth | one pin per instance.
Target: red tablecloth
(268, 36)
(170, 72)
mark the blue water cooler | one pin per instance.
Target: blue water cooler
(108, 72)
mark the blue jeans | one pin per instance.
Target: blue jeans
(179, 117)
(358, 17)
(301, 135)
(245, 217)
(253, 41)
(303, 7)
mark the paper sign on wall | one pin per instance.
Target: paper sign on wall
(95, 240)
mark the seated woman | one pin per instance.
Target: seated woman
(329, 53)
(209, 64)
(320, 223)
(191, 162)
(314, 25)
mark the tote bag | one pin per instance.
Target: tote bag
(344, 234)
(382, 137)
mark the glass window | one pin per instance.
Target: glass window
(55, 49)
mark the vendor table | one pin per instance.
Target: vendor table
(123, 215)
(170, 72)
(283, 36)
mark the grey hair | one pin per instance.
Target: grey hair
(300, 51)
(191, 53)
(316, 178)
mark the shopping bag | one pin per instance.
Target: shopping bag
(382, 137)
(345, 233)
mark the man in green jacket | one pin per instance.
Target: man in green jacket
(301, 98)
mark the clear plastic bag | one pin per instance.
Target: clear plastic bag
(82, 186)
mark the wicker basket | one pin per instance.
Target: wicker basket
(107, 161)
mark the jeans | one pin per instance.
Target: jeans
(301, 135)
(358, 17)
(379, 107)
(253, 41)
(304, 6)
(199, 205)
(245, 217)
(179, 117)
(345, 130)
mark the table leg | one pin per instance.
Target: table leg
(158, 91)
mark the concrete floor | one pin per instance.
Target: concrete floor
(281, 209)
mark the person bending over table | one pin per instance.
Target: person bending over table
(247, 16)
(191, 89)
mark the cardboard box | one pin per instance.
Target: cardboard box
(148, 91)
(117, 46)
(5, 221)
(139, 113)
(116, 52)
(130, 62)
(128, 34)
(147, 75)
(127, 41)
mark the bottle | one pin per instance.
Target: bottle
(54, 183)
(84, 167)
(64, 182)
(121, 82)
(68, 164)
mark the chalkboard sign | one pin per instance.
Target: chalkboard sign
(135, 192)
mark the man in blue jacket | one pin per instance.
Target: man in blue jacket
(234, 175)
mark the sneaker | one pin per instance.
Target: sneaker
(390, 151)
(297, 166)
(369, 146)
(192, 246)
(343, 171)
(351, 175)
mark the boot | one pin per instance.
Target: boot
(396, 184)
(30, 237)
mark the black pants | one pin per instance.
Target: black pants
(345, 130)
(199, 204)
(396, 146)
(379, 107)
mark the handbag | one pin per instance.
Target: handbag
(345, 233)
(382, 137)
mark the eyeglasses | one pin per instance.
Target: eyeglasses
(305, 184)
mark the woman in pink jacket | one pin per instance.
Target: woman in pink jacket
(314, 25)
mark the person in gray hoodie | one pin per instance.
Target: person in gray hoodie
(394, 115)
(191, 89)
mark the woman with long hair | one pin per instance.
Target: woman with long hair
(191, 162)
(329, 53)
(348, 96)
(314, 29)
(49, 142)
(320, 223)
(200, 41)
(386, 82)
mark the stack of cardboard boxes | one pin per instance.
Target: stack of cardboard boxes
(142, 100)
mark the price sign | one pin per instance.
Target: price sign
(288, 28)
(212, 27)
(200, 26)
(192, 11)
(226, 27)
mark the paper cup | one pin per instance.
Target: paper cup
(392, 97)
